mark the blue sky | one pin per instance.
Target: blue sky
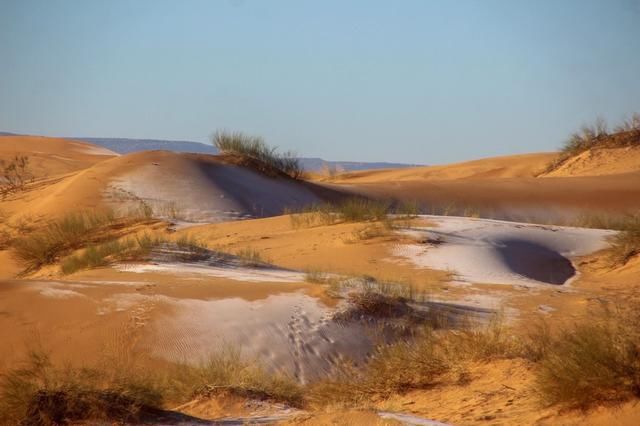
(412, 81)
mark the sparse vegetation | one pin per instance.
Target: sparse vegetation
(15, 175)
(226, 372)
(251, 257)
(598, 136)
(68, 233)
(593, 362)
(353, 209)
(254, 148)
(420, 362)
(39, 393)
(626, 244)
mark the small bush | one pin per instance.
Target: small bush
(626, 244)
(354, 209)
(14, 175)
(38, 393)
(227, 373)
(96, 256)
(250, 257)
(64, 235)
(254, 147)
(598, 136)
(591, 363)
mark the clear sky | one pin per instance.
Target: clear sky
(411, 81)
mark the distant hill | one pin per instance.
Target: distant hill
(125, 146)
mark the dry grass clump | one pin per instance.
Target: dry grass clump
(593, 362)
(97, 256)
(68, 233)
(39, 393)
(139, 247)
(254, 148)
(228, 373)
(355, 209)
(421, 362)
(598, 136)
(14, 175)
(116, 390)
(626, 244)
(251, 257)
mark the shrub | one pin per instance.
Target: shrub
(591, 363)
(226, 372)
(15, 174)
(250, 257)
(355, 209)
(598, 136)
(626, 244)
(254, 147)
(96, 256)
(38, 393)
(70, 232)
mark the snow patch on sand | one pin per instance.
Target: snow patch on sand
(203, 269)
(499, 252)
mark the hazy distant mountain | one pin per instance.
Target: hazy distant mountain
(125, 146)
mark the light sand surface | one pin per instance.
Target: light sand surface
(186, 186)
(53, 156)
(511, 166)
(599, 162)
(553, 199)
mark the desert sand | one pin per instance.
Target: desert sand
(168, 309)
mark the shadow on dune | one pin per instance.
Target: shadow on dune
(535, 261)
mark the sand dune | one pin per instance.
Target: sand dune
(511, 166)
(601, 161)
(53, 156)
(192, 186)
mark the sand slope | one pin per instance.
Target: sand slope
(193, 187)
(52, 156)
(601, 161)
(525, 165)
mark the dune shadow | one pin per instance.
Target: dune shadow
(535, 261)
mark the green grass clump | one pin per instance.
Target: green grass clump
(97, 256)
(254, 147)
(61, 236)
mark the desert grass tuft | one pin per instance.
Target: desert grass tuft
(39, 393)
(251, 257)
(226, 372)
(592, 363)
(254, 148)
(598, 135)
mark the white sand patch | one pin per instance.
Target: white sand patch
(210, 192)
(94, 150)
(410, 419)
(59, 293)
(499, 252)
(287, 332)
(203, 269)
(123, 302)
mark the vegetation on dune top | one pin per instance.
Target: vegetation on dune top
(598, 135)
(268, 159)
